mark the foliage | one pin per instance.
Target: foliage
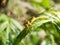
(13, 32)
(10, 29)
(44, 22)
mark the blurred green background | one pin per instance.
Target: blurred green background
(29, 22)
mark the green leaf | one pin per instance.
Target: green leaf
(45, 4)
(3, 26)
(17, 24)
(21, 36)
(57, 27)
(14, 29)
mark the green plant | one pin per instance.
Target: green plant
(13, 33)
(9, 29)
(49, 23)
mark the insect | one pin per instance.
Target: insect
(28, 22)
